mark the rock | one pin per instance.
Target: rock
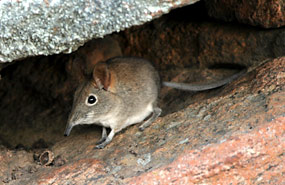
(81, 172)
(36, 94)
(242, 141)
(245, 138)
(242, 122)
(181, 42)
(253, 158)
(30, 28)
(268, 14)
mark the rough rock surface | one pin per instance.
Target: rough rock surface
(201, 42)
(255, 157)
(207, 44)
(31, 28)
(36, 93)
(265, 13)
(45, 27)
(233, 134)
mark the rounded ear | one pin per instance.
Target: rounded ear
(101, 76)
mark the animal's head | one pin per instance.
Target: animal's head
(93, 100)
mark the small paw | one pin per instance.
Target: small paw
(141, 128)
(103, 144)
(101, 141)
(100, 146)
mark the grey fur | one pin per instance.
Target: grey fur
(128, 97)
(132, 97)
(202, 87)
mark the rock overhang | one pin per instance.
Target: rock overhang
(31, 28)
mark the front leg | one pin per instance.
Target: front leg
(104, 136)
(106, 141)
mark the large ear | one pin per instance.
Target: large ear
(101, 76)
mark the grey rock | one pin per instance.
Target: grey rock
(146, 158)
(32, 27)
(184, 141)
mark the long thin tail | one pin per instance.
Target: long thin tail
(203, 87)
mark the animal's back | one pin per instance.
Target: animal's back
(136, 82)
(134, 76)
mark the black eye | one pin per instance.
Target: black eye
(91, 100)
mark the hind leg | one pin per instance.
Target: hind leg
(156, 112)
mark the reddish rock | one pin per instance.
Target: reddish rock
(36, 96)
(235, 134)
(250, 158)
(223, 135)
(181, 42)
(268, 14)
(81, 172)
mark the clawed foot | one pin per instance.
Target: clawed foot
(102, 143)
(141, 128)
(100, 146)
(101, 140)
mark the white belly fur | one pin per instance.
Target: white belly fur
(111, 120)
(140, 116)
